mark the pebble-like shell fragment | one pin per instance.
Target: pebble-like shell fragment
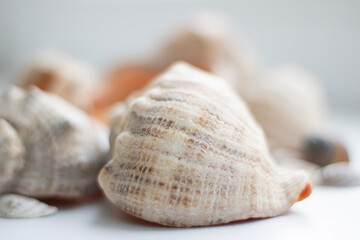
(189, 153)
(17, 206)
(64, 148)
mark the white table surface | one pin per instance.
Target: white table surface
(329, 213)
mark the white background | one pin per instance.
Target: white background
(321, 35)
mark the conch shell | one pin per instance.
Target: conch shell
(51, 148)
(57, 73)
(189, 153)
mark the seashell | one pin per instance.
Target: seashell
(17, 206)
(338, 174)
(288, 104)
(57, 73)
(64, 148)
(206, 41)
(11, 154)
(189, 153)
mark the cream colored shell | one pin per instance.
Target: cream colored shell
(64, 148)
(207, 41)
(71, 79)
(190, 154)
(289, 105)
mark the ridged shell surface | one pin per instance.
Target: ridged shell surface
(64, 148)
(189, 153)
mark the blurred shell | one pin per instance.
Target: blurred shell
(11, 154)
(64, 76)
(190, 154)
(289, 105)
(338, 174)
(206, 40)
(64, 147)
(17, 206)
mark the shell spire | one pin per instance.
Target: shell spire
(189, 153)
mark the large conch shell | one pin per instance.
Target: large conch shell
(57, 73)
(189, 153)
(51, 148)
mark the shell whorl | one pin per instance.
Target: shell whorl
(190, 154)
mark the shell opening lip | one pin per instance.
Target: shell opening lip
(305, 192)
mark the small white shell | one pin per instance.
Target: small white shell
(17, 206)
